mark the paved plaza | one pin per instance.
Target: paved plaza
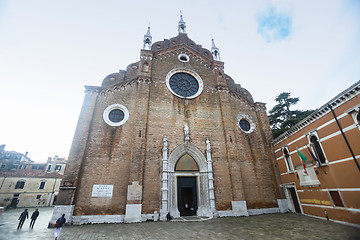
(269, 226)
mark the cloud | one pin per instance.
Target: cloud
(274, 26)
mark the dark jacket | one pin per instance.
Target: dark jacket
(24, 215)
(62, 220)
(35, 215)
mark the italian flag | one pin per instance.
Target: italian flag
(303, 159)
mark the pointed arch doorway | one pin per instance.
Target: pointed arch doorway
(187, 172)
(187, 180)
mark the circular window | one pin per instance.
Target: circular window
(245, 123)
(184, 83)
(183, 57)
(116, 115)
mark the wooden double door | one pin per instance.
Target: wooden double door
(187, 196)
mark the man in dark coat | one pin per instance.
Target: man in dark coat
(34, 217)
(22, 218)
(58, 226)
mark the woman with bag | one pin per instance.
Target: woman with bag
(58, 226)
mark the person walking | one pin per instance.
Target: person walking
(58, 226)
(22, 218)
(34, 216)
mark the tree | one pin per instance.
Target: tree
(281, 117)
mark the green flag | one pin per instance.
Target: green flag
(303, 158)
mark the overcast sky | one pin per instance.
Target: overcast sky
(50, 49)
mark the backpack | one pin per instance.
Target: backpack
(57, 224)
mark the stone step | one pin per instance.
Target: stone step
(191, 219)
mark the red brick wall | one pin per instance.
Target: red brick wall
(101, 154)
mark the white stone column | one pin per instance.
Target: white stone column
(164, 188)
(210, 176)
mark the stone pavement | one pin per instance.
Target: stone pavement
(9, 222)
(269, 226)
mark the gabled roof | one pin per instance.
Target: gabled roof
(181, 39)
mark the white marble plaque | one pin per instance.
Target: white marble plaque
(100, 190)
(134, 191)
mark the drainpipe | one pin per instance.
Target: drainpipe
(52, 193)
(343, 134)
(2, 183)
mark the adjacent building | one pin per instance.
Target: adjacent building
(56, 164)
(25, 183)
(329, 184)
(11, 160)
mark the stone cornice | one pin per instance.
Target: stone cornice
(218, 65)
(337, 101)
(181, 39)
(92, 88)
(183, 48)
(261, 106)
(123, 85)
(238, 95)
(30, 174)
(221, 89)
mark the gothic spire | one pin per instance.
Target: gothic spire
(182, 24)
(147, 39)
(215, 51)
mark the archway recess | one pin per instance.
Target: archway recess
(170, 175)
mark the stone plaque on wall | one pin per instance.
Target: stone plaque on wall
(134, 191)
(100, 190)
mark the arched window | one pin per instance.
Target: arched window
(20, 184)
(315, 144)
(358, 118)
(287, 159)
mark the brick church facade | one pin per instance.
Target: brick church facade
(172, 133)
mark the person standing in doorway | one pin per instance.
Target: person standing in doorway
(34, 217)
(22, 218)
(58, 226)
